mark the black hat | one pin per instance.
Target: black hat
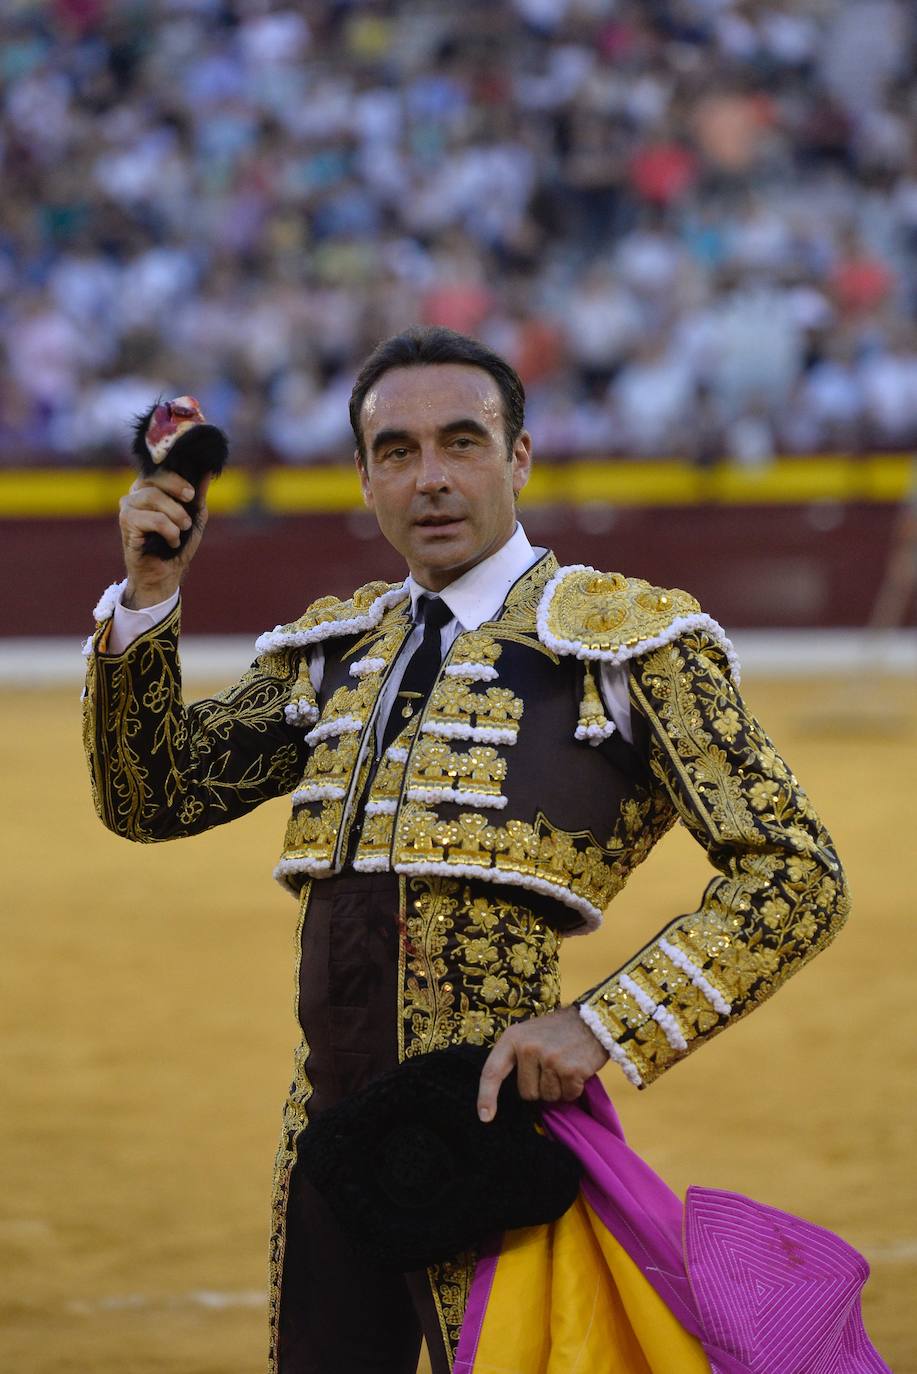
(413, 1175)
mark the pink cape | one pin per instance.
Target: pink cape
(764, 1292)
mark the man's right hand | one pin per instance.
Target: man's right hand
(153, 505)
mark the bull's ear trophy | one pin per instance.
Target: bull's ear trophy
(175, 435)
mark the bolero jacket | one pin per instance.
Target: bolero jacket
(510, 773)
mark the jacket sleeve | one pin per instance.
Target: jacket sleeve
(161, 770)
(780, 896)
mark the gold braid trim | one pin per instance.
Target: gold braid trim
(782, 896)
(161, 770)
(471, 965)
(295, 1121)
(450, 1284)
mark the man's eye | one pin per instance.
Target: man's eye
(462, 441)
(396, 453)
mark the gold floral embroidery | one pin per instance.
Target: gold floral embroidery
(781, 897)
(312, 831)
(476, 646)
(607, 611)
(471, 965)
(163, 770)
(474, 964)
(450, 1283)
(518, 618)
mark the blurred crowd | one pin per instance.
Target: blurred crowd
(691, 224)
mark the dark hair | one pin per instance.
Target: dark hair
(424, 345)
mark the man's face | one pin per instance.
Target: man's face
(437, 472)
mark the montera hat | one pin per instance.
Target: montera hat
(413, 1175)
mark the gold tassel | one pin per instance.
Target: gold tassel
(591, 710)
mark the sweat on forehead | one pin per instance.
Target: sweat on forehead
(431, 395)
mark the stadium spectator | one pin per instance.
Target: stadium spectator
(717, 198)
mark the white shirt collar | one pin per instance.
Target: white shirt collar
(479, 593)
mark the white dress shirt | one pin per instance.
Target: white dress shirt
(473, 598)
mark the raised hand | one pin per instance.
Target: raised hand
(155, 505)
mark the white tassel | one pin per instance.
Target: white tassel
(300, 712)
(595, 733)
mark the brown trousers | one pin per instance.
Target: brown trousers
(338, 1313)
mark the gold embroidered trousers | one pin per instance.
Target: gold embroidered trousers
(388, 969)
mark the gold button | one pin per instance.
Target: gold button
(407, 711)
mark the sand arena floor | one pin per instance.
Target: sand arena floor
(147, 1029)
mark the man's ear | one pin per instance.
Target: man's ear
(364, 479)
(521, 460)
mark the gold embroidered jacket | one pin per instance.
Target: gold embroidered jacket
(454, 795)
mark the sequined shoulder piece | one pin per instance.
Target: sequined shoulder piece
(610, 618)
(329, 617)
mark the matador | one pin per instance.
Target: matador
(448, 832)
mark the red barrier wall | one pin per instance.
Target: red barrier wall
(782, 566)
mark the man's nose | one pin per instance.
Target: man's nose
(432, 474)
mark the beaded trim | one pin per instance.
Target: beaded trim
(481, 734)
(385, 807)
(105, 606)
(363, 666)
(472, 672)
(317, 791)
(280, 638)
(665, 1019)
(688, 967)
(592, 916)
(615, 1052)
(372, 863)
(286, 867)
(338, 725)
(496, 801)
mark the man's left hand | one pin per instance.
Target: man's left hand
(553, 1055)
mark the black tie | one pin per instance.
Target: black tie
(420, 674)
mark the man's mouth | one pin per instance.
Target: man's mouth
(438, 521)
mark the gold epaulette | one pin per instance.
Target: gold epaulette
(329, 616)
(611, 618)
(332, 608)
